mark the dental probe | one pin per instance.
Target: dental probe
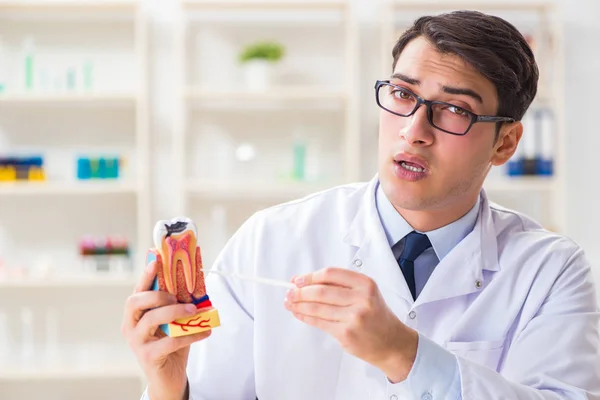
(266, 281)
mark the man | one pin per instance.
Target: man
(411, 286)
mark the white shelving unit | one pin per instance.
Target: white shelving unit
(100, 371)
(78, 281)
(75, 99)
(61, 188)
(111, 117)
(542, 197)
(222, 122)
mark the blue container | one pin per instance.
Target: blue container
(112, 168)
(515, 167)
(84, 168)
(102, 170)
(544, 167)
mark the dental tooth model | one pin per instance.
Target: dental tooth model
(180, 273)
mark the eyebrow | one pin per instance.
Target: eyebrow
(406, 79)
(447, 89)
(463, 91)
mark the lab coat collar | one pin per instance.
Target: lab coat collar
(463, 266)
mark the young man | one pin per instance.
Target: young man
(411, 286)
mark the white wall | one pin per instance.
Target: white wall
(582, 36)
(582, 45)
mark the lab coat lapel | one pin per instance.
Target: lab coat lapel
(374, 256)
(461, 272)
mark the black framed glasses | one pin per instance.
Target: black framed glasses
(444, 116)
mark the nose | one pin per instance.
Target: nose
(418, 131)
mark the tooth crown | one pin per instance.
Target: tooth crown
(181, 273)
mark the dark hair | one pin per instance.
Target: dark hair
(493, 46)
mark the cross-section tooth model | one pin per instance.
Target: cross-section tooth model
(180, 273)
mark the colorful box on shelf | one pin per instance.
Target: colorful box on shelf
(98, 168)
(19, 168)
(110, 254)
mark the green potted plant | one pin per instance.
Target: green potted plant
(257, 61)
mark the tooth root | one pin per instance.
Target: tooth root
(190, 279)
(189, 268)
(169, 267)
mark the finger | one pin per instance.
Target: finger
(137, 304)
(167, 345)
(320, 311)
(326, 294)
(331, 276)
(152, 319)
(153, 263)
(322, 324)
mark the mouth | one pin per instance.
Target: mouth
(177, 241)
(411, 162)
(410, 167)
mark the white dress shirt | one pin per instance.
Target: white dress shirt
(442, 239)
(510, 312)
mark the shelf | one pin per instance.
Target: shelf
(59, 372)
(280, 94)
(298, 98)
(520, 184)
(252, 190)
(265, 5)
(84, 281)
(74, 188)
(473, 5)
(68, 99)
(76, 6)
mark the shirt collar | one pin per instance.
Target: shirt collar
(442, 239)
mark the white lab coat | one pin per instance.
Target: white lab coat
(514, 303)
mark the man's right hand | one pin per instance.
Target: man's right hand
(162, 358)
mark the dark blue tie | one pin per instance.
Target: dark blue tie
(414, 245)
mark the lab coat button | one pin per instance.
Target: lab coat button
(478, 284)
(412, 315)
(393, 397)
(358, 263)
(427, 396)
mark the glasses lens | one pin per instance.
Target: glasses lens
(397, 100)
(451, 118)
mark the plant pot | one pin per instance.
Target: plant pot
(257, 74)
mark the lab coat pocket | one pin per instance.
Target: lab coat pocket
(486, 353)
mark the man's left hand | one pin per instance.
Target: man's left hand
(349, 306)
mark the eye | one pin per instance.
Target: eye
(458, 111)
(401, 94)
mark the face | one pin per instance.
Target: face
(423, 168)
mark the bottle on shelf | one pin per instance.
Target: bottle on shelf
(27, 336)
(5, 339)
(545, 120)
(299, 153)
(28, 54)
(3, 66)
(88, 75)
(530, 144)
(51, 335)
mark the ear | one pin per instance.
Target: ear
(506, 145)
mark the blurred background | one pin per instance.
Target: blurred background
(115, 114)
